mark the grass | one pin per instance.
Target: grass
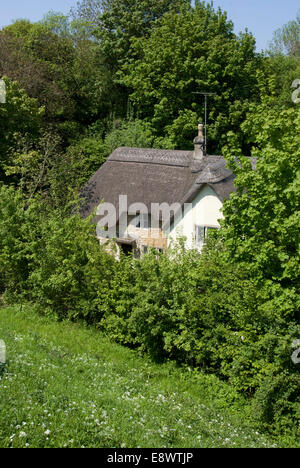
(67, 385)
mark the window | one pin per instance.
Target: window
(201, 233)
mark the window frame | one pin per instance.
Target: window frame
(201, 239)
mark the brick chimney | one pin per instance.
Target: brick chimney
(198, 154)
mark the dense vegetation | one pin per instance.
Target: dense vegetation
(80, 86)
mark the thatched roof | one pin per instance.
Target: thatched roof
(155, 176)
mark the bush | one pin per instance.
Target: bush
(60, 277)
(17, 224)
(277, 401)
(49, 258)
(133, 133)
(208, 313)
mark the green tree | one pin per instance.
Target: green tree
(20, 118)
(89, 81)
(276, 78)
(282, 64)
(57, 63)
(122, 21)
(194, 51)
(116, 23)
(262, 219)
(41, 62)
(286, 40)
(261, 230)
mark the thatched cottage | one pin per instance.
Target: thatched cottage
(149, 197)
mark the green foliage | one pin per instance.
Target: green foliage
(20, 117)
(113, 25)
(58, 64)
(132, 133)
(278, 400)
(71, 255)
(234, 310)
(261, 231)
(194, 51)
(41, 62)
(275, 81)
(262, 218)
(48, 257)
(13, 243)
(117, 22)
(84, 158)
(287, 39)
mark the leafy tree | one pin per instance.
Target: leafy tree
(90, 10)
(59, 65)
(262, 220)
(61, 279)
(133, 133)
(262, 235)
(116, 23)
(282, 65)
(63, 26)
(276, 78)
(122, 21)
(194, 51)
(20, 118)
(40, 61)
(89, 83)
(286, 40)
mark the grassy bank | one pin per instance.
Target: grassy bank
(66, 385)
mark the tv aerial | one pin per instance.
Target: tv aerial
(205, 117)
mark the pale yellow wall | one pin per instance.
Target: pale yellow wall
(205, 210)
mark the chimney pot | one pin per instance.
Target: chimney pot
(200, 130)
(199, 144)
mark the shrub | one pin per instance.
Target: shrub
(14, 246)
(50, 258)
(277, 401)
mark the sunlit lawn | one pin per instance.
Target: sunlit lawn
(68, 386)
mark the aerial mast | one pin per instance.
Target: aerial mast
(205, 117)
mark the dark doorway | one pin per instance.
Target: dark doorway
(127, 249)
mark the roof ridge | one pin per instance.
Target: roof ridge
(152, 156)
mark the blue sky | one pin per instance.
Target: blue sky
(261, 17)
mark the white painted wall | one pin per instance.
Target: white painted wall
(205, 210)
